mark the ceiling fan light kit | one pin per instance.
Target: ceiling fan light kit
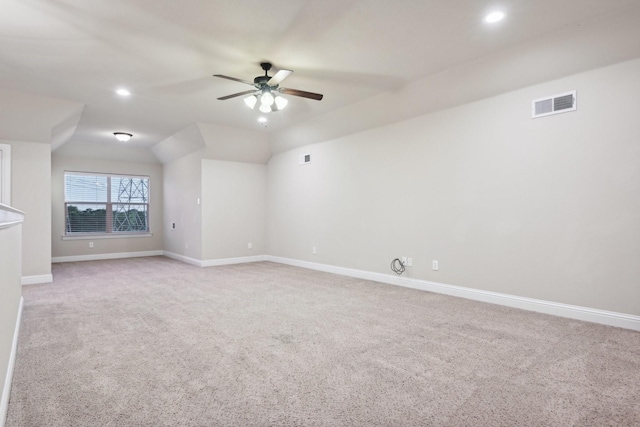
(281, 102)
(265, 108)
(267, 102)
(268, 90)
(251, 101)
(267, 99)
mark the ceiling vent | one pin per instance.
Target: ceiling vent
(562, 103)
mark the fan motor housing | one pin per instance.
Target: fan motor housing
(261, 80)
(261, 83)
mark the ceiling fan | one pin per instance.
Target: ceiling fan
(267, 90)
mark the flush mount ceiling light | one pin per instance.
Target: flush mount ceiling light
(494, 17)
(123, 92)
(123, 136)
(267, 90)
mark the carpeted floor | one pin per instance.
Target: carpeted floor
(154, 342)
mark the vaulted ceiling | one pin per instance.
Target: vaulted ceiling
(375, 61)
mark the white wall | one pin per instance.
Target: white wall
(182, 189)
(233, 209)
(228, 176)
(10, 291)
(31, 193)
(71, 248)
(544, 208)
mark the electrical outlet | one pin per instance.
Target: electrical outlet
(409, 262)
(250, 246)
(435, 264)
(186, 246)
(91, 244)
(313, 250)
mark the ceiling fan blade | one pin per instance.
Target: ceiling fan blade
(246, 92)
(280, 76)
(233, 78)
(301, 93)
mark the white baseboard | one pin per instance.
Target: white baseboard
(96, 257)
(35, 280)
(6, 391)
(603, 317)
(214, 262)
(229, 261)
(183, 258)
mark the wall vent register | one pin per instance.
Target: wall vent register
(562, 103)
(304, 159)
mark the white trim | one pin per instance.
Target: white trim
(5, 169)
(229, 261)
(107, 174)
(621, 320)
(183, 258)
(6, 391)
(96, 257)
(98, 236)
(35, 280)
(214, 262)
(9, 216)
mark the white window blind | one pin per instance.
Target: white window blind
(106, 203)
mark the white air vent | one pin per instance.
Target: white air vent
(304, 159)
(556, 104)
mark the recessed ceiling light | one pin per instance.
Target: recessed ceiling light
(123, 92)
(494, 17)
(262, 119)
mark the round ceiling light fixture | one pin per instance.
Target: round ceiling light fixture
(494, 17)
(123, 136)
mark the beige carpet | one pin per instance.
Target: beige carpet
(154, 342)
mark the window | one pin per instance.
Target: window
(100, 203)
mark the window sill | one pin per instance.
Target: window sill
(97, 236)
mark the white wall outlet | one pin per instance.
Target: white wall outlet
(250, 246)
(313, 250)
(198, 201)
(186, 246)
(91, 244)
(409, 262)
(435, 264)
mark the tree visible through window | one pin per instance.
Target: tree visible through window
(97, 203)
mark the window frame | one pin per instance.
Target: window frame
(109, 206)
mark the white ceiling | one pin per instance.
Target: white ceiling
(63, 59)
